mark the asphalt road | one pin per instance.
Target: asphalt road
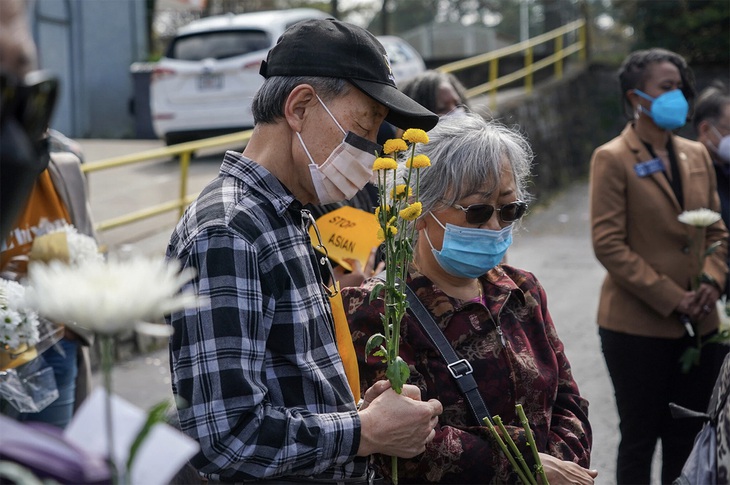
(553, 243)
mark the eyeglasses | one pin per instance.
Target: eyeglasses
(30, 101)
(308, 221)
(481, 213)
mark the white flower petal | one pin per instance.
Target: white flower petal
(18, 324)
(699, 217)
(154, 329)
(108, 297)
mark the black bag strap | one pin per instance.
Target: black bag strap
(460, 369)
(720, 394)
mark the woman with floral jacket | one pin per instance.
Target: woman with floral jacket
(495, 316)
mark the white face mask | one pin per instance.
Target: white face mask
(723, 148)
(346, 170)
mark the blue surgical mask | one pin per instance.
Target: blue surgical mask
(723, 147)
(669, 111)
(468, 252)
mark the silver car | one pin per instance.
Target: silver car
(204, 84)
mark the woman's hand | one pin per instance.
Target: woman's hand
(698, 304)
(561, 472)
(358, 273)
(705, 300)
(685, 305)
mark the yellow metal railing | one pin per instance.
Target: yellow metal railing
(527, 47)
(183, 152)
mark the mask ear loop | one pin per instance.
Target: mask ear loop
(305, 148)
(639, 108)
(330, 113)
(425, 231)
(719, 135)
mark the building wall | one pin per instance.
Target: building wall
(91, 45)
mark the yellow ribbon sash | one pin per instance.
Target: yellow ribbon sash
(344, 342)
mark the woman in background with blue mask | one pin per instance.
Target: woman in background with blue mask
(648, 314)
(493, 315)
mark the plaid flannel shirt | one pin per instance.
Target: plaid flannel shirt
(265, 390)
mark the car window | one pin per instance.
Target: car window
(218, 45)
(397, 53)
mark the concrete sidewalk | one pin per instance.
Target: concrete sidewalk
(554, 244)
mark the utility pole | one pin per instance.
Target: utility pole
(385, 17)
(524, 21)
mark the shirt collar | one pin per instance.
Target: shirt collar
(260, 181)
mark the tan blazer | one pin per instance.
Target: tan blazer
(638, 239)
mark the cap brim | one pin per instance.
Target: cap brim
(403, 111)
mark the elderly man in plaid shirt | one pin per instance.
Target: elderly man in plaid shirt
(263, 388)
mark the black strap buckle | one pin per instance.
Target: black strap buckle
(464, 368)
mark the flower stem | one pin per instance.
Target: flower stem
(517, 468)
(394, 469)
(531, 441)
(516, 451)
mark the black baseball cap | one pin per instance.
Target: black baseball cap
(331, 48)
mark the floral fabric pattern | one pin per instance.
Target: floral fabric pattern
(530, 368)
(722, 411)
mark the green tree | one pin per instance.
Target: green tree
(696, 29)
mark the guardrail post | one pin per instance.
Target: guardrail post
(528, 68)
(559, 54)
(493, 73)
(184, 169)
(582, 38)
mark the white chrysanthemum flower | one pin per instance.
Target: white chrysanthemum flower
(81, 248)
(699, 217)
(108, 297)
(18, 325)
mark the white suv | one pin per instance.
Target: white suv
(204, 84)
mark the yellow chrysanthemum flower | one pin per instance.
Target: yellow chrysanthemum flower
(382, 163)
(414, 135)
(400, 191)
(419, 161)
(377, 211)
(411, 212)
(392, 230)
(394, 145)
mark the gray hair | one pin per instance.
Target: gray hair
(466, 154)
(268, 102)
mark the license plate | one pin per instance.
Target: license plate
(210, 82)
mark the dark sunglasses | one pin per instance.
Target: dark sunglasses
(481, 213)
(30, 101)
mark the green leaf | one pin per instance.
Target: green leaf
(375, 294)
(720, 337)
(689, 358)
(712, 248)
(156, 414)
(375, 341)
(397, 374)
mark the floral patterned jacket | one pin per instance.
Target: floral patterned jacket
(527, 367)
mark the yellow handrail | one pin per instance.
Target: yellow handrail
(184, 153)
(527, 47)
